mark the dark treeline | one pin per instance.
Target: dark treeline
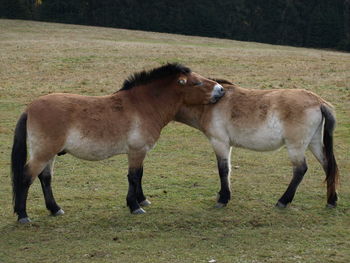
(312, 23)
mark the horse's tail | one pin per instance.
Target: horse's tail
(19, 157)
(332, 174)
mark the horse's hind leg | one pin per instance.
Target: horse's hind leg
(31, 171)
(45, 179)
(317, 148)
(299, 169)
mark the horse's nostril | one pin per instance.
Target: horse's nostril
(217, 93)
(220, 89)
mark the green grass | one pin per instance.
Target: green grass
(180, 178)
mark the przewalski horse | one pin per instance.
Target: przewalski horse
(95, 128)
(265, 120)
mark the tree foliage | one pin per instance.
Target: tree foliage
(313, 23)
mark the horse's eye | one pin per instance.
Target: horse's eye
(182, 81)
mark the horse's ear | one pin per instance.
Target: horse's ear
(182, 81)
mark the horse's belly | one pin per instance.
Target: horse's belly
(92, 149)
(265, 137)
(258, 142)
(92, 152)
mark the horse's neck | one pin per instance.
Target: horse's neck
(190, 115)
(158, 108)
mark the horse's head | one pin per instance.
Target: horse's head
(176, 79)
(196, 89)
(191, 87)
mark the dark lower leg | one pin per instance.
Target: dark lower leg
(21, 197)
(21, 202)
(134, 188)
(45, 180)
(225, 192)
(332, 196)
(139, 192)
(298, 174)
(332, 199)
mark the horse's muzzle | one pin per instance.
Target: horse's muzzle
(218, 92)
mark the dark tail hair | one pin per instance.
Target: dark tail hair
(19, 157)
(332, 174)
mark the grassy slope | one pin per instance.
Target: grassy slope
(180, 173)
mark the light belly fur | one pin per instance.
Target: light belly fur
(92, 149)
(265, 137)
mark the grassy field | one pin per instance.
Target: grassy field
(180, 178)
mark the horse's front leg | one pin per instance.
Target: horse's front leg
(224, 194)
(135, 197)
(141, 198)
(223, 156)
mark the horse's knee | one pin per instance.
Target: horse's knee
(34, 168)
(28, 178)
(300, 169)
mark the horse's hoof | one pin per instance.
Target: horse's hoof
(220, 205)
(145, 203)
(280, 205)
(24, 220)
(331, 205)
(138, 211)
(58, 213)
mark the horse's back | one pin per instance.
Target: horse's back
(72, 110)
(54, 114)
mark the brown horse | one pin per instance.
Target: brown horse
(95, 128)
(265, 120)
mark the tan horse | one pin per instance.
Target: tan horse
(95, 128)
(265, 120)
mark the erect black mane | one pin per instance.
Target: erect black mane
(222, 81)
(144, 77)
